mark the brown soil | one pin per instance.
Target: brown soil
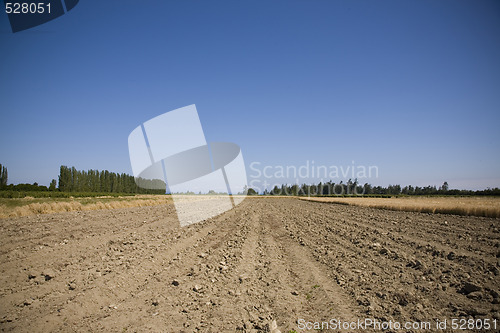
(266, 263)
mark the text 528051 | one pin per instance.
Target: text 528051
(27, 8)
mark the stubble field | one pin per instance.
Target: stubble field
(269, 265)
(469, 206)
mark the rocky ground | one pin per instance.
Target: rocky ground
(269, 265)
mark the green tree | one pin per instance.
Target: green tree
(276, 190)
(52, 186)
(64, 179)
(3, 176)
(251, 191)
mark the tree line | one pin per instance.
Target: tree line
(354, 188)
(73, 180)
(91, 181)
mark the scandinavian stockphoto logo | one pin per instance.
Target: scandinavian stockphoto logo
(204, 180)
(27, 14)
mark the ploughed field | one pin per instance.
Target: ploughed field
(269, 265)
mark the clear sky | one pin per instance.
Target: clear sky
(412, 87)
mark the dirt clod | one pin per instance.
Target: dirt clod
(470, 288)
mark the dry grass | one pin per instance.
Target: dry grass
(474, 206)
(15, 207)
(32, 206)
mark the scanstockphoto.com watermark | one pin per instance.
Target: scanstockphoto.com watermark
(265, 177)
(460, 324)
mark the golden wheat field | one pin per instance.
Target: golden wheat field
(31, 206)
(473, 206)
(17, 207)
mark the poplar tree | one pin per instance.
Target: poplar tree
(3, 176)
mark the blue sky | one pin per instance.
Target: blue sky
(412, 87)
